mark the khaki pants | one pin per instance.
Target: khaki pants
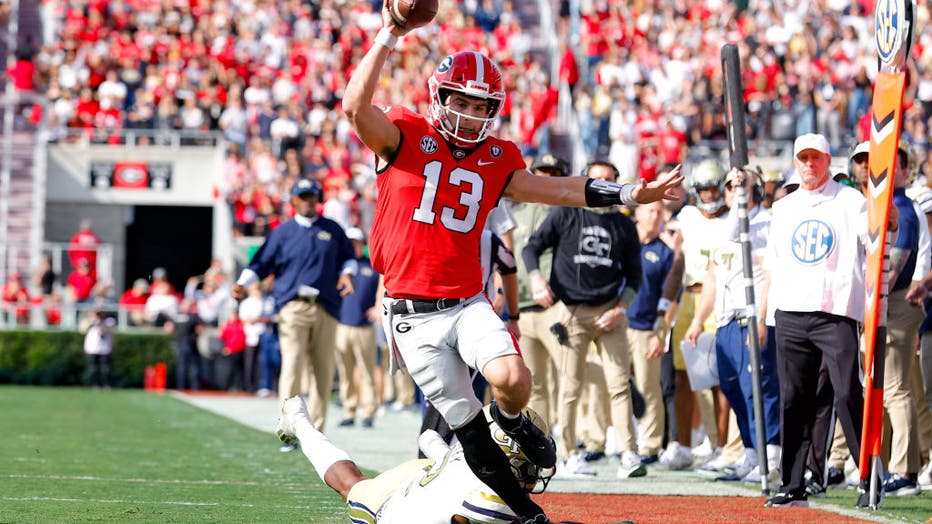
(612, 348)
(541, 352)
(592, 412)
(356, 348)
(647, 380)
(924, 417)
(306, 336)
(903, 321)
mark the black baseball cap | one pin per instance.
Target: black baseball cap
(549, 161)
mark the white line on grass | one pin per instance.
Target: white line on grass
(169, 502)
(151, 481)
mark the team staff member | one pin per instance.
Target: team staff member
(313, 263)
(596, 274)
(355, 338)
(539, 346)
(439, 177)
(815, 257)
(647, 326)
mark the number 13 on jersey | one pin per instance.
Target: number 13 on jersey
(470, 186)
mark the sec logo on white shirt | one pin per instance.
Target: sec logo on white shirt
(812, 241)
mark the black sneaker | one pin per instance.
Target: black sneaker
(538, 447)
(900, 486)
(593, 456)
(815, 489)
(367, 422)
(787, 500)
(346, 422)
(835, 478)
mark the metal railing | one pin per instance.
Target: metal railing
(12, 256)
(133, 138)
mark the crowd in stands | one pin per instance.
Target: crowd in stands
(645, 81)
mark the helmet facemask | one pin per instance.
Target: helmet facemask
(531, 478)
(474, 76)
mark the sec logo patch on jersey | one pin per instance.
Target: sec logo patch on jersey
(812, 242)
(428, 145)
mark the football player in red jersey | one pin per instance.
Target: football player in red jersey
(439, 177)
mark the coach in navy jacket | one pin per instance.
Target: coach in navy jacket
(313, 263)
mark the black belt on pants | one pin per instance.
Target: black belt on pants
(309, 299)
(403, 306)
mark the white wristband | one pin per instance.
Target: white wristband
(626, 194)
(386, 38)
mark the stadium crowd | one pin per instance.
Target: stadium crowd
(644, 85)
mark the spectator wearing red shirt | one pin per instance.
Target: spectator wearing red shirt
(84, 245)
(23, 73)
(16, 298)
(81, 282)
(133, 301)
(234, 344)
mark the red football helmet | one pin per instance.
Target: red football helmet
(472, 74)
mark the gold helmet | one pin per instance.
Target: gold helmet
(531, 477)
(707, 174)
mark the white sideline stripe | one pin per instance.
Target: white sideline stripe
(124, 501)
(150, 481)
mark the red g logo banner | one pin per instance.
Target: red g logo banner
(131, 175)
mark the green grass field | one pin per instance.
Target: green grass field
(78, 455)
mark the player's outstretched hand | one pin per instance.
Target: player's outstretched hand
(664, 187)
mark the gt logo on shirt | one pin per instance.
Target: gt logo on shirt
(812, 241)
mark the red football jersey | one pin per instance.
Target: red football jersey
(431, 210)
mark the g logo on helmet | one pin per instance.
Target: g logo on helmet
(445, 65)
(892, 34)
(812, 242)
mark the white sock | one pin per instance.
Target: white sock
(317, 447)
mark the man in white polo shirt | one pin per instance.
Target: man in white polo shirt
(815, 258)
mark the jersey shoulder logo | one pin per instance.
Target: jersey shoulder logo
(428, 144)
(496, 151)
(812, 241)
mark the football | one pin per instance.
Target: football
(412, 14)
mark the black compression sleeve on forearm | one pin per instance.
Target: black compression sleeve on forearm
(600, 193)
(489, 463)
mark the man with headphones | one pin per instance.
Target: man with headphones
(313, 262)
(595, 275)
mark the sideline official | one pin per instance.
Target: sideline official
(815, 257)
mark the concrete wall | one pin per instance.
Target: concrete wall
(70, 197)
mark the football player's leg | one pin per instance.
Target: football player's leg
(332, 464)
(486, 345)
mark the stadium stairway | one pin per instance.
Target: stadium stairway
(21, 219)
